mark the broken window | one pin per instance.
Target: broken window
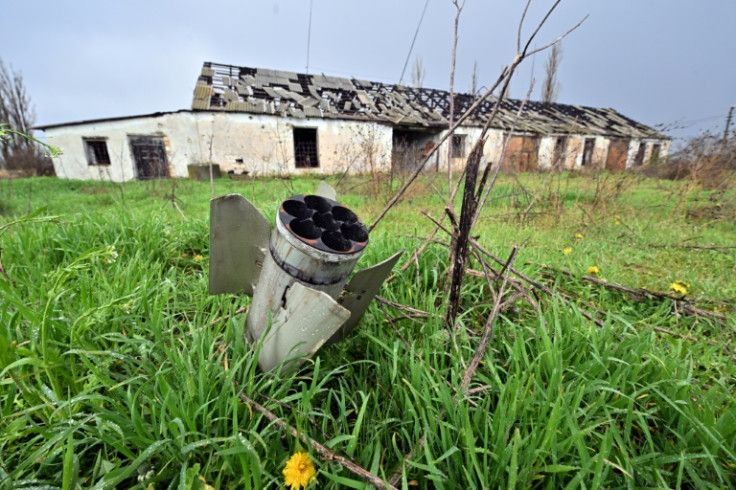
(656, 148)
(305, 148)
(458, 146)
(588, 151)
(96, 149)
(149, 153)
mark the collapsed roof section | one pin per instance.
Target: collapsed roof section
(264, 91)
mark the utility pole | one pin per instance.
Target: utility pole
(728, 125)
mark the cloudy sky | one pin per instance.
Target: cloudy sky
(668, 62)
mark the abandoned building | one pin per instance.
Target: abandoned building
(266, 122)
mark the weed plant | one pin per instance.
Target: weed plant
(118, 370)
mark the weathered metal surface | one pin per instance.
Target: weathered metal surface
(360, 291)
(323, 224)
(326, 190)
(238, 243)
(293, 259)
(301, 325)
(300, 271)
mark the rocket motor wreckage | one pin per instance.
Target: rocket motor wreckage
(297, 274)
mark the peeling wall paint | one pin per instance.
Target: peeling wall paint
(262, 144)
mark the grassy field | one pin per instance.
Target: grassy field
(118, 370)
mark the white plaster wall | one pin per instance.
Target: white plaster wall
(177, 130)
(491, 151)
(631, 155)
(265, 144)
(575, 147)
(600, 152)
(634, 149)
(546, 151)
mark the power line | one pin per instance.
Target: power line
(412, 42)
(309, 34)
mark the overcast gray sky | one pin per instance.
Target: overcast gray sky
(665, 62)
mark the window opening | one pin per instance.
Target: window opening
(305, 148)
(149, 154)
(458, 146)
(96, 149)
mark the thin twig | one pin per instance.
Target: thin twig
(534, 283)
(431, 153)
(488, 329)
(641, 293)
(399, 306)
(459, 7)
(221, 319)
(176, 206)
(507, 141)
(325, 453)
(717, 248)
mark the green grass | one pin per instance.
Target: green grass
(114, 372)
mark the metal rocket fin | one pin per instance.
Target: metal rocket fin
(361, 290)
(326, 190)
(305, 322)
(239, 236)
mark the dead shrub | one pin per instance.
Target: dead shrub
(708, 160)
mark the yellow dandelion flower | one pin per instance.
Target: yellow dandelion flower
(567, 251)
(593, 270)
(299, 471)
(682, 283)
(579, 236)
(198, 258)
(678, 288)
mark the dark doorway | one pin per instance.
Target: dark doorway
(559, 154)
(639, 159)
(588, 152)
(618, 151)
(656, 148)
(149, 153)
(410, 148)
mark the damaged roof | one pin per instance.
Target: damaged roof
(264, 91)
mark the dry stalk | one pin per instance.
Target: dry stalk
(325, 453)
(458, 253)
(640, 293)
(399, 306)
(223, 318)
(459, 7)
(488, 329)
(532, 282)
